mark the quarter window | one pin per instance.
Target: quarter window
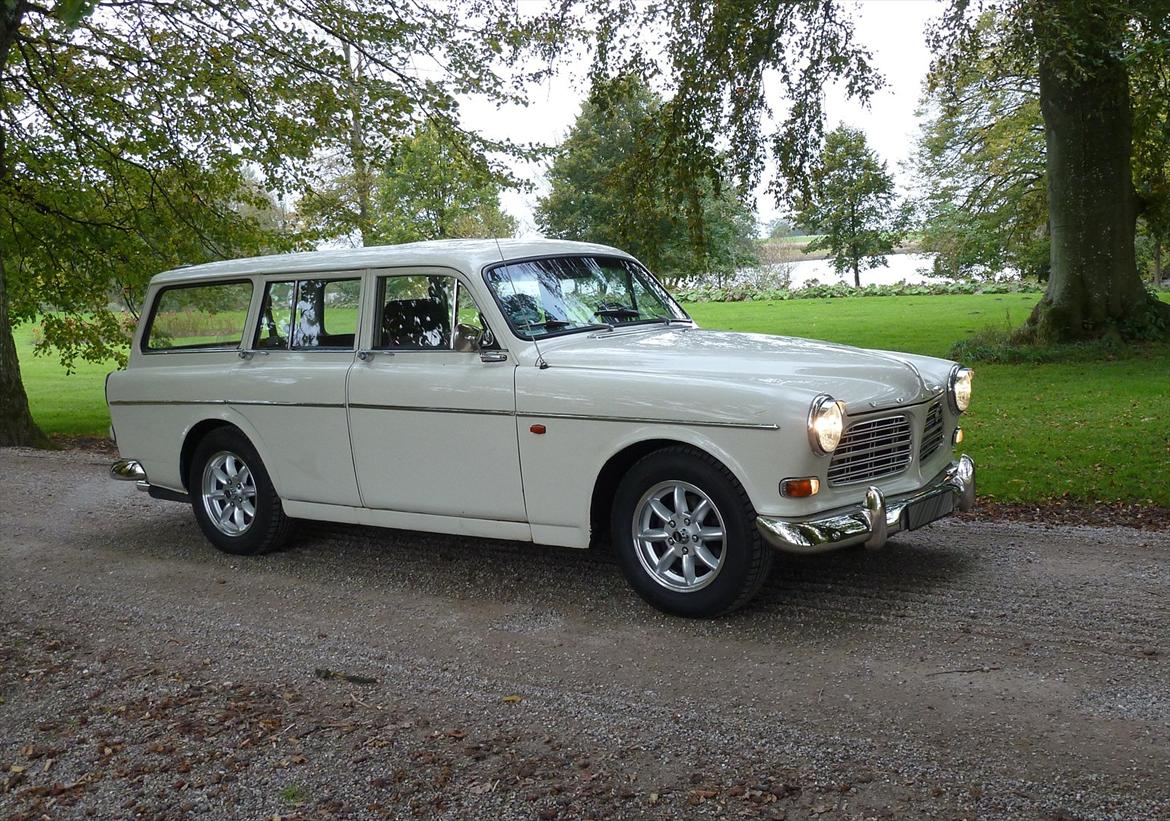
(199, 317)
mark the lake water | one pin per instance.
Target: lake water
(909, 268)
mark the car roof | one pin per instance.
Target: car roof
(468, 255)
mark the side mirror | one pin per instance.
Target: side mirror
(487, 340)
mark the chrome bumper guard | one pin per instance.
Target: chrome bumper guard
(875, 520)
(130, 470)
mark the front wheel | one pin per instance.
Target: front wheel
(684, 531)
(232, 496)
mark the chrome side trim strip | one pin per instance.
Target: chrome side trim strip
(261, 402)
(366, 406)
(648, 421)
(286, 404)
(168, 402)
(478, 411)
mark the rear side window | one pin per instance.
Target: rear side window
(196, 317)
(309, 313)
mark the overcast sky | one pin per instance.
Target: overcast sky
(891, 29)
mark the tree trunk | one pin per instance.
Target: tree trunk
(856, 274)
(362, 180)
(1094, 288)
(1157, 261)
(16, 423)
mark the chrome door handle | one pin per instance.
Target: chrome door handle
(493, 356)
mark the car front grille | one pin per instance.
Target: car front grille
(932, 432)
(871, 449)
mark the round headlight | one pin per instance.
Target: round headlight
(826, 423)
(960, 388)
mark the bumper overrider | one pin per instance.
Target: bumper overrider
(877, 518)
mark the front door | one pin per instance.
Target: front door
(432, 421)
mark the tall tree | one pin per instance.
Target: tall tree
(724, 67)
(438, 186)
(1083, 50)
(851, 203)
(603, 188)
(982, 202)
(128, 132)
(721, 58)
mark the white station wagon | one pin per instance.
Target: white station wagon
(541, 391)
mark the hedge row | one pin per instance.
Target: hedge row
(816, 290)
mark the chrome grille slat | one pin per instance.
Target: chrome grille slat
(871, 449)
(932, 433)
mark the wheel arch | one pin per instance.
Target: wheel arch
(616, 466)
(200, 430)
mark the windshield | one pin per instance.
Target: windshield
(565, 294)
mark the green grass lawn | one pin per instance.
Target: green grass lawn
(71, 404)
(1096, 431)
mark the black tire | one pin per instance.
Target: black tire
(745, 558)
(269, 528)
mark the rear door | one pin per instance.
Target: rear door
(291, 386)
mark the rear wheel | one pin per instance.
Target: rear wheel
(684, 531)
(232, 496)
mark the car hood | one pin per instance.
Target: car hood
(863, 379)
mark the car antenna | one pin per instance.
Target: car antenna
(540, 360)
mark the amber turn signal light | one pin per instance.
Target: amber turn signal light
(800, 488)
(958, 436)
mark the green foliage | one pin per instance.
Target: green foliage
(437, 186)
(983, 203)
(1100, 73)
(131, 136)
(851, 203)
(604, 188)
(981, 155)
(780, 229)
(723, 64)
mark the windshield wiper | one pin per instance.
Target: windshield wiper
(548, 324)
(618, 311)
(560, 324)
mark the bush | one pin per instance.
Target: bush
(748, 289)
(1004, 347)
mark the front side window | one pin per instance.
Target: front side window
(196, 317)
(564, 294)
(416, 313)
(308, 314)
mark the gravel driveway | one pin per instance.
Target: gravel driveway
(972, 669)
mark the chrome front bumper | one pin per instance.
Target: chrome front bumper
(876, 518)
